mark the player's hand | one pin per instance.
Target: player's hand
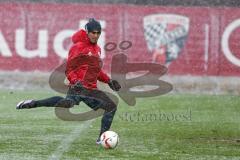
(77, 86)
(114, 85)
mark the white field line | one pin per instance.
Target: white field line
(68, 140)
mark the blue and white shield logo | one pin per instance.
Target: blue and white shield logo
(165, 35)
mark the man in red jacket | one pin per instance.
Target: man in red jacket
(83, 71)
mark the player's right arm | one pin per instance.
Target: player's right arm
(72, 64)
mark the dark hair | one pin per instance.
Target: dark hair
(93, 25)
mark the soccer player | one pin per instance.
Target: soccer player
(83, 69)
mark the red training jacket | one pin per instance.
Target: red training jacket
(84, 63)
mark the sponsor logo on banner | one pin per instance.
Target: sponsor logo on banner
(42, 43)
(226, 48)
(165, 35)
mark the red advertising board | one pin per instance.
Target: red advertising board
(189, 40)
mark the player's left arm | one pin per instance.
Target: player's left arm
(103, 77)
(113, 84)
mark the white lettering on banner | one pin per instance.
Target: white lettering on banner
(58, 42)
(42, 44)
(225, 42)
(64, 34)
(4, 49)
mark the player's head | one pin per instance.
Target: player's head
(93, 29)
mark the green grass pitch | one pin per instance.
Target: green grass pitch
(165, 127)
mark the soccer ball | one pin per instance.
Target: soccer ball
(109, 139)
